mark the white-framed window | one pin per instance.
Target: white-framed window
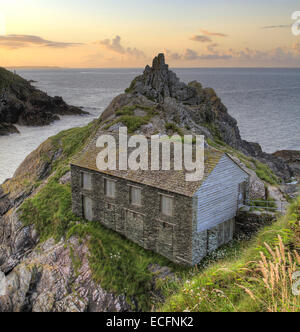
(86, 181)
(167, 205)
(135, 196)
(110, 188)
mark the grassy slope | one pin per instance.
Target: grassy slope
(8, 79)
(126, 116)
(262, 171)
(119, 265)
(236, 282)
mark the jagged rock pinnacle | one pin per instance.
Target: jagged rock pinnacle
(159, 62)
(158, 83)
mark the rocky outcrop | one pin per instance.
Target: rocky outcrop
(7, 128)
(49, 276)
(192, 108)
(15, 239)
(21, 103)
(56, 277)
(292, 158)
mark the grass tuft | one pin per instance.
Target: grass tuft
(236, 283)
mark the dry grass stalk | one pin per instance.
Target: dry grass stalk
(277, 276)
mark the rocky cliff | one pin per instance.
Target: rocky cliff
(190, 107)
(50, 260)
(21, 103)
(292, 158)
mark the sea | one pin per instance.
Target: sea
(265, 102)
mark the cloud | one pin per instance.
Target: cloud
(135, 52)
(283, 26)
(191, 55)
(211, 47)
(213, 34)
(279, 56)
(20, 41)
(172, 55)
(116, 46)
(201, 39)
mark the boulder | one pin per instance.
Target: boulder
(292, 158)
(7, 128)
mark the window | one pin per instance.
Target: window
(166, 205)
(110, 188)
(87, 181)
(135, 196)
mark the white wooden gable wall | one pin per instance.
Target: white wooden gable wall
(218, 195)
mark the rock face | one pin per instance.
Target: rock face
(6, 128)
(21, 103)
(47, 281)
(191, 107)
(292, 158)
(49, 276)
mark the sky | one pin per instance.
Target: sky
(129, 33)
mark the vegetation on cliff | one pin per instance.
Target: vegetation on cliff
(228, 280)
(122, 267)
(257, 277)
(118, 265)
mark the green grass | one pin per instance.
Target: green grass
(49, 211)
(117, 264)
(131, 87)
(262, 171)
(217, 288)
(174, 128)
(132, 122)
(127, 110)
(73, 140)
(7, 78)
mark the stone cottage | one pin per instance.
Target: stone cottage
(159, 210)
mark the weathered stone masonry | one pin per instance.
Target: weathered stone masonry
(203, 211)
(144, 225)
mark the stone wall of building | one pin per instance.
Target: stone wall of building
(145, 225)
(248, 223)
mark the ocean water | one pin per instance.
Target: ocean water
(265, 102)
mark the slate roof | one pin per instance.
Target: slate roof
(171, 181)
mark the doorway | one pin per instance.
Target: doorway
(242, 195)
(88, 208)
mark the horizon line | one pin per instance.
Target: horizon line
(218, 67)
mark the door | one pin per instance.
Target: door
(242, 195)
(88, 208)
(134, 227)
(165, 240)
